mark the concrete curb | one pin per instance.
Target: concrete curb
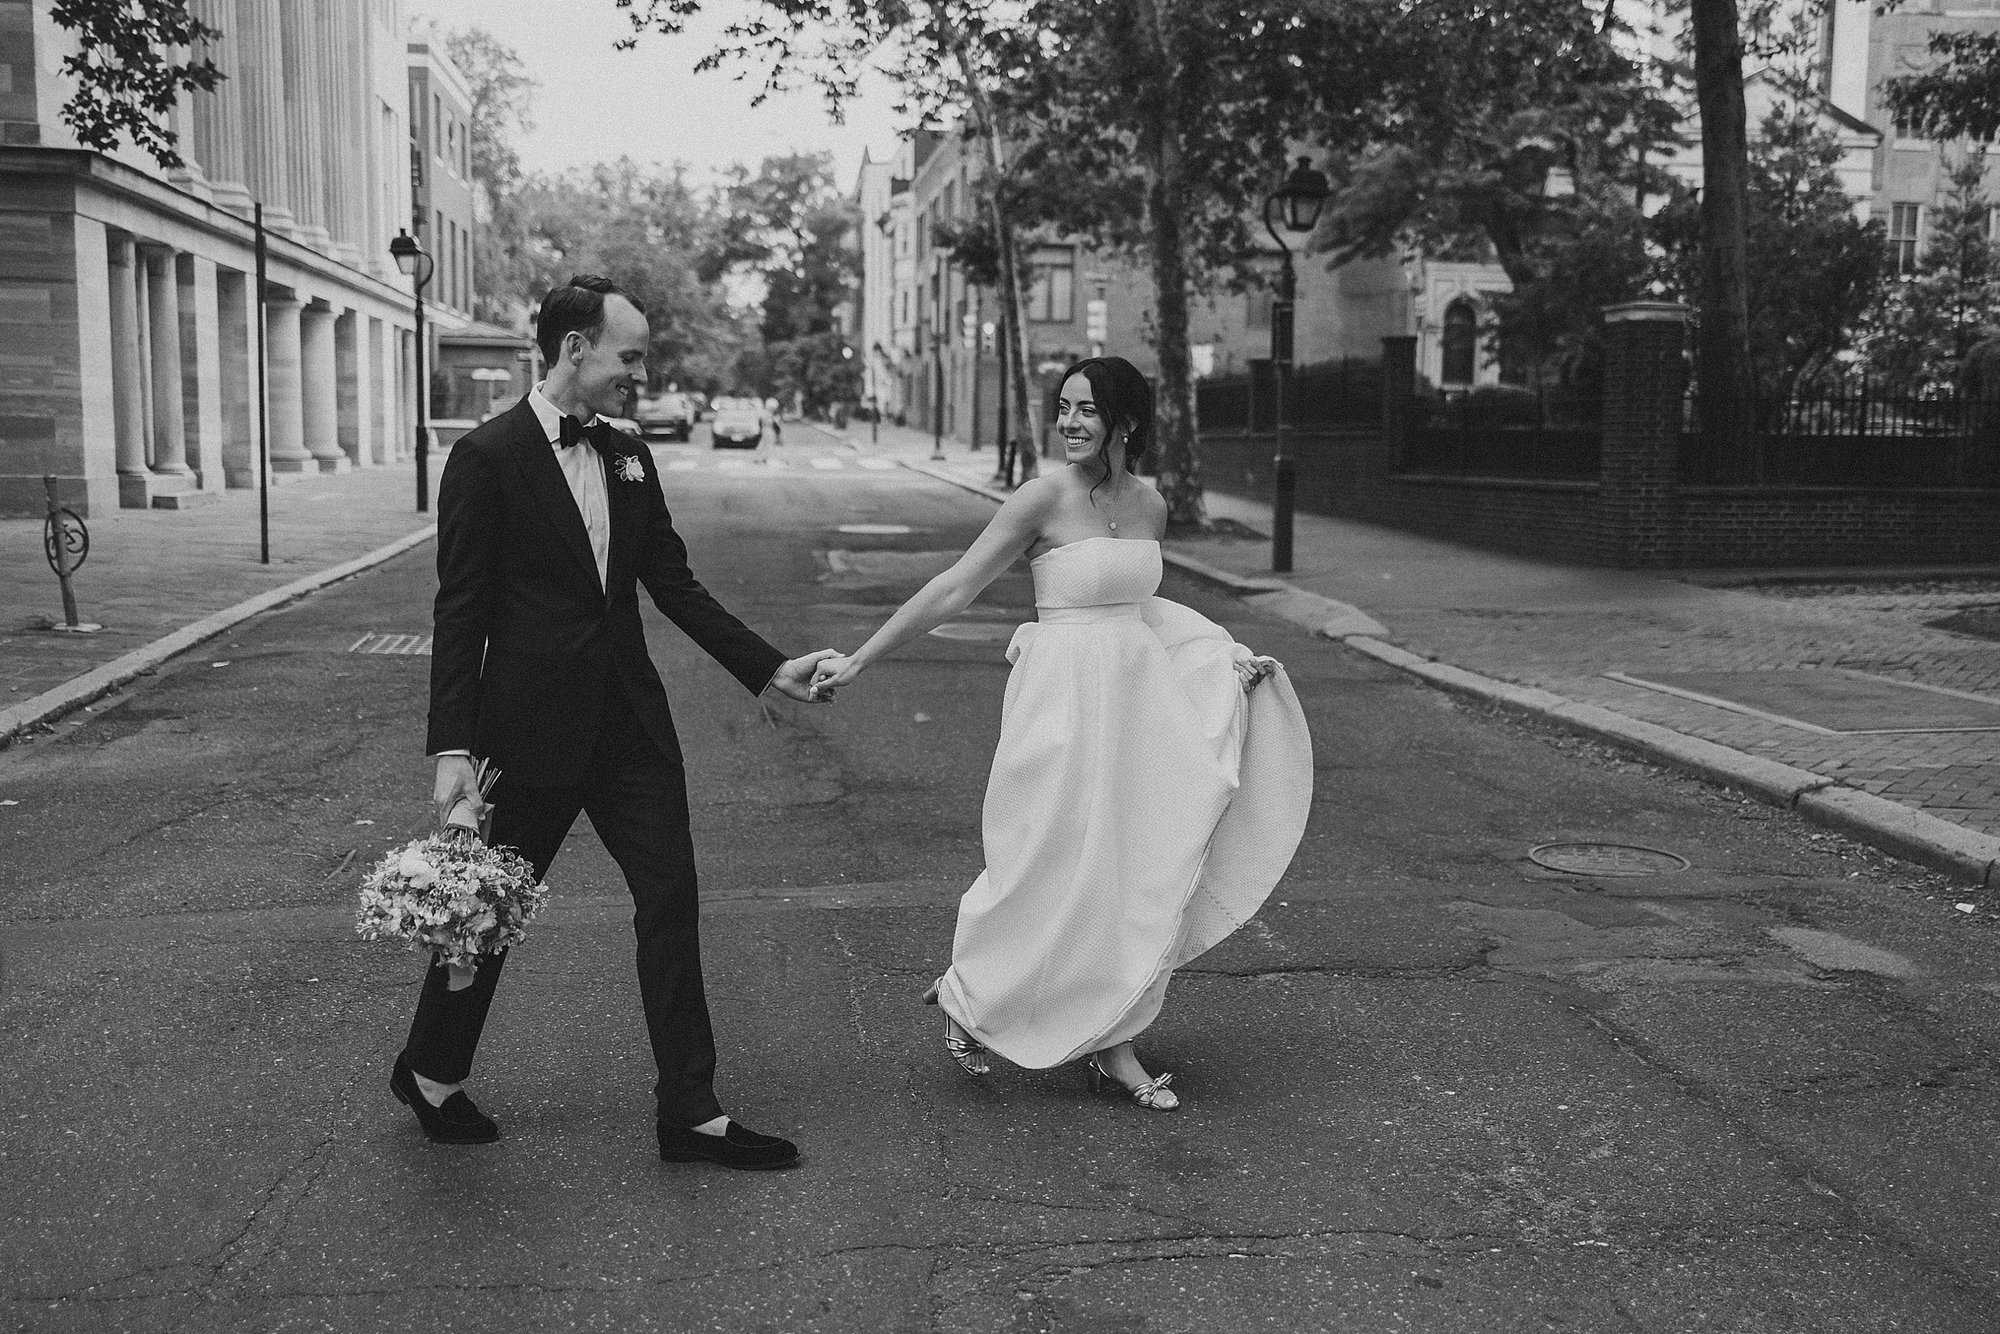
(98, 682)
(1891, 826)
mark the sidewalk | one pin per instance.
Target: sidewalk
(1572, 645)
(161, 581)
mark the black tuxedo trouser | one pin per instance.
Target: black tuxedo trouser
(636, 798)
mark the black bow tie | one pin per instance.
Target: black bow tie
(602, 436)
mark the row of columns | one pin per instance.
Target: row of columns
(184, 378)
(291, 123)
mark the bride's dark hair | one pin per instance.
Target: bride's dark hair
(1124, 400)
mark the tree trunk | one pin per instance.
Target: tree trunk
(1166, 205)
(1723, 369)
(1014, 349)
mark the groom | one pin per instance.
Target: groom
(549, 521)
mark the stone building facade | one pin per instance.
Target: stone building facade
(129, 310)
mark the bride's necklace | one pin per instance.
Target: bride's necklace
(1110, 516)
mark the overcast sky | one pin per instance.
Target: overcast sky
(596, 103)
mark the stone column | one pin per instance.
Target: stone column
(218, 115)
(355, 387)
(342, 47)
(321, 388)
(1645, 377)
(284, 386)
(379, 352)
(163, 304)
(128, 372)
(236, 353)
(305, 115)
(261, 62)
(201, 372)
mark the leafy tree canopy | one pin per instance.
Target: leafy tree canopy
(127, 75)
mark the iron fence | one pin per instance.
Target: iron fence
(1347, 392)
(1855, 435)
(1504, 431)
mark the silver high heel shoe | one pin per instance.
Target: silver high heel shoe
(1153, 1095)
(960, 1045)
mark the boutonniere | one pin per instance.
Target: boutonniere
(630, 469)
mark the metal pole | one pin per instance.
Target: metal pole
(937, 398)
(978, 347)
(263, 397)
(1284, 479)
(874, 402)
(59, 534)
(423, 407)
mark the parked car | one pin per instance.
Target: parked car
(738, 423)
(669, 414)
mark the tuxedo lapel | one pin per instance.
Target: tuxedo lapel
(550, 489)
(627, 503)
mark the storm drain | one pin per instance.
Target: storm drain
(1606, 859)
(405, 646)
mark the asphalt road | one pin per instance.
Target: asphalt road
(1434, 1087)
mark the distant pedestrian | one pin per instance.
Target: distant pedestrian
(777, 425)
(1143, 801)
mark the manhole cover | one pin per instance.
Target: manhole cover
(1606, 859)
(876, 529)
(398, 645)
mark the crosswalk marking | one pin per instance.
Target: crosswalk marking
(876, 465)
(827, 464)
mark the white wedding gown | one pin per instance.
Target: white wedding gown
(1141, 807)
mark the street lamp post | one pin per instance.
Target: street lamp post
(1293, 207)
(874, 398)
(416, 262)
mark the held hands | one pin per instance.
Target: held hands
(1252, 672)
(795, 679)
(833, 673)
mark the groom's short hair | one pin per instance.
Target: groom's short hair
(575, 307)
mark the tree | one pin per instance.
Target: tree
(502, 101)
(138, 58)
(1925, 321)
(1815, 268)
(1182, 125)
(1529, 138)
(1957, 98)
(789, 224)
(948, 57)
(649, 231)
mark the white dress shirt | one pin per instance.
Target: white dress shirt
(583, 469)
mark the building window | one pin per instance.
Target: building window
(1257, 308)
(1461, 342)
(1905, 231)
(1052, 285)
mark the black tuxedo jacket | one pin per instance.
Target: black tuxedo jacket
(525, 644)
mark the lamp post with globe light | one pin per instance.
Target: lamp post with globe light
(416, 263)
(1293, 207)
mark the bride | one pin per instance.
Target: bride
(1145, 794)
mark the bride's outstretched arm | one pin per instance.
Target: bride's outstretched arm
(1010, 533)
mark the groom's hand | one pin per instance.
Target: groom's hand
(794, 680)
(457, 780)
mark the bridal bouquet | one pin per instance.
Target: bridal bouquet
(451, 893)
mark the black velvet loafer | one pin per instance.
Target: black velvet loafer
(737, 1146)
(458, 1121)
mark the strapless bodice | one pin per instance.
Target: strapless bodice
(1106, 573)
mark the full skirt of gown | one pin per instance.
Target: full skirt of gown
(1140, 808)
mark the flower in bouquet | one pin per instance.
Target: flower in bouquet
(450, 893)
